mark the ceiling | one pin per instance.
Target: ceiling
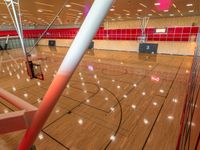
(41, 12)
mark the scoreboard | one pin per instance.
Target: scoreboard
(150, 48)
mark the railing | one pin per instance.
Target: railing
(14, 42)
(172, 34)
(190, 124)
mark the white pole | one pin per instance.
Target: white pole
(16, 18)
(7, 38)
(86, 33)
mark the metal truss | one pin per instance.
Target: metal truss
(143, 22)
(15, 14)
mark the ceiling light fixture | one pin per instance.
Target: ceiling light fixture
(5, 17)
(67, 6)
(43, 4)
(40, 10)
(143, 5)
(77, 4)
(157, 4)
(189, 5)
(126, 10)
(112, 9)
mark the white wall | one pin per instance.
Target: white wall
(179, 48)
(59, 42)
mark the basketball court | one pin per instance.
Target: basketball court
(98, 75)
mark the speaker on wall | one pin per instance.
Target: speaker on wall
(91, 46)
(52, 43)
(1, 48)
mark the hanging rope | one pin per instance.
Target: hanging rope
(59, 12)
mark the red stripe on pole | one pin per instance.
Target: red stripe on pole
(47, 105)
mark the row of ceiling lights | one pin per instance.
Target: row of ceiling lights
(42, 20)
(150, 14)
(113, 9)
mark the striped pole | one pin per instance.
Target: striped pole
(81, 42)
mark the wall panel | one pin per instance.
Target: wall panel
(156, 23)
(178, 48)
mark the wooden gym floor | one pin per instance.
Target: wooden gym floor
(88, 113)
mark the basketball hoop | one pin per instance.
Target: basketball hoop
(34, 70)
(143, 22)
(142, 39)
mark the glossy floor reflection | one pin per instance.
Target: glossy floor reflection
(88, 115)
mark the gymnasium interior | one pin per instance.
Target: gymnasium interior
(99, 75)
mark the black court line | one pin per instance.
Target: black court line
(68, 112)
(162, 106)
(56, 140)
